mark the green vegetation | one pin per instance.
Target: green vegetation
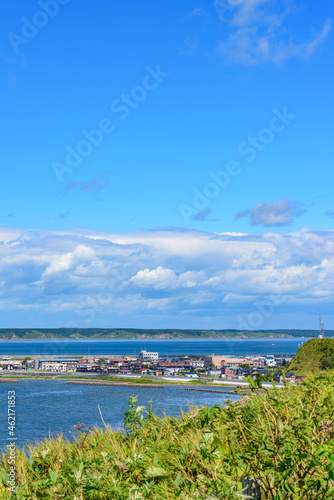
(27, 358)
(314, 355)
(283, 437)
(133, 333)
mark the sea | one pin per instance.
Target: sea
(163, 347)
(51, 407)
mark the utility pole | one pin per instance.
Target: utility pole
(321, 328)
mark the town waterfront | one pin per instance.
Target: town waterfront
(53, 406)
(164, 347)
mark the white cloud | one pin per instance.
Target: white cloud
(61, 263)
(91, 278)
(156, 278)
(276, 213)
(194, 13)
(257, 32)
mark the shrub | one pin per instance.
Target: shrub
(283, 437)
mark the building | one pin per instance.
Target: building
(228, 372)
(11, 364)
(148, 356)
(118, 362)
(219, 362)
(169, 372)
(271, 362)
(214, 373)
(58, 364)
(89, 367)
(197, 363)
(143, 371)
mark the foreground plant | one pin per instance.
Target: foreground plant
(284, 438)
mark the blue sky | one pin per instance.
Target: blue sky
(191, 120)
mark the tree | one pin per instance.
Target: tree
(24, 362)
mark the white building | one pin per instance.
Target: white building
(57, 365)
(198, 363)
(148, 356)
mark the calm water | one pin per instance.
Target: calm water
(196, 346)
(44, 406)
(54, 406)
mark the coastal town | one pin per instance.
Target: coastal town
(147, 363)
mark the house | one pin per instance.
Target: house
(271, 361)
(118, 362)
(143, 371)
(198, 363)
(113, 369)
(170, 364)
(168, 372)
(88, 368)
(9, 365)
(228, 372)
(214, 373)
(289, 377)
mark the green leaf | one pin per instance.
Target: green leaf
(154, 471)
(19, 490)
(207, 436)
(53, 476)
(31, 461)
(4, 476)
(44, 453)
(307, 440)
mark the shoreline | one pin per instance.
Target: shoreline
(150, 339)
(141, 382)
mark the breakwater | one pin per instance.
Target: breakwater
(118, 384)
(211, 390)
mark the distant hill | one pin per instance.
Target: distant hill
(315, 354)
(133, 333)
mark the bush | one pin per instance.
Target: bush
(283, 437)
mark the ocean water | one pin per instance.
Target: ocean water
(163, 347)
(46, 407)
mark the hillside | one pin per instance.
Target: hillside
(134, 333)
(282, 437)
(315, 354)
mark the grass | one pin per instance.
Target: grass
(283, 437)
(315, 354)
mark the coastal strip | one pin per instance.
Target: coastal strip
(8, 380)
(117, 384)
